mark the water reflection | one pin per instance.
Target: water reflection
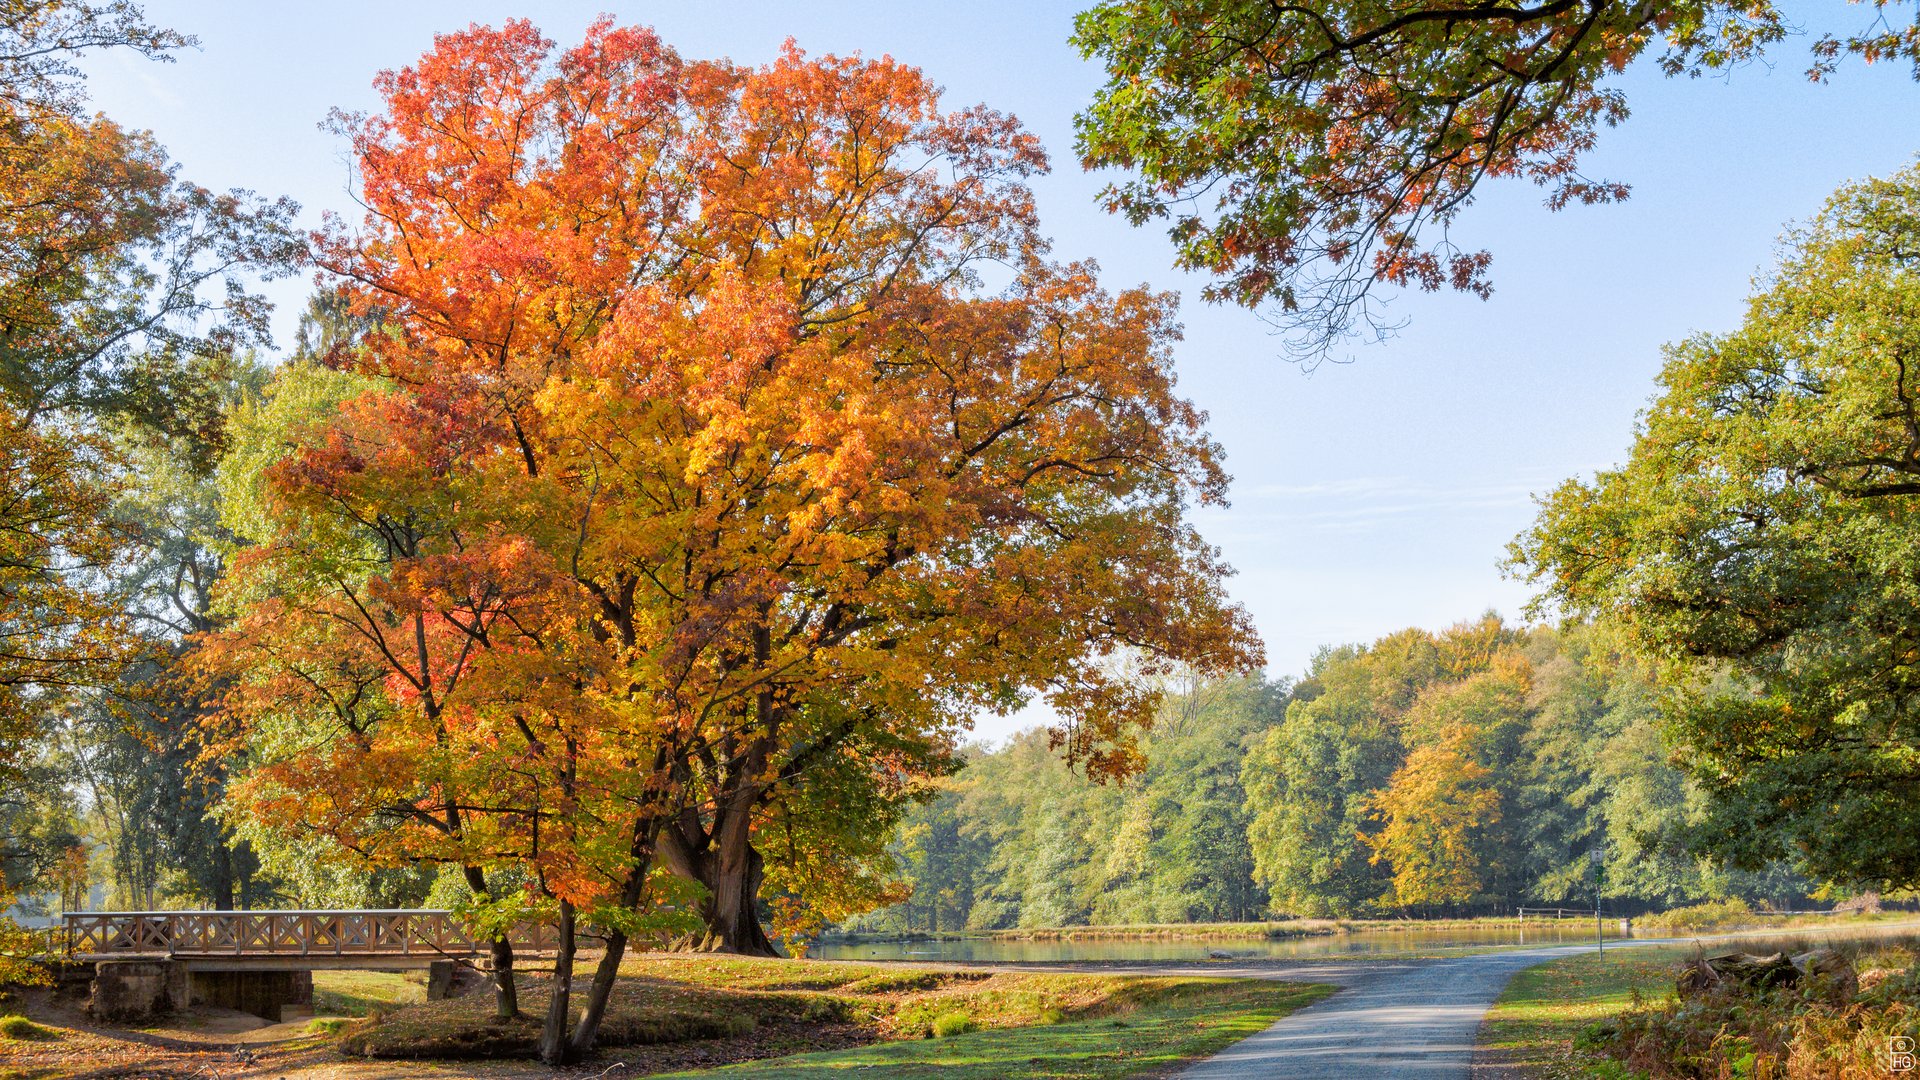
(1010, 951)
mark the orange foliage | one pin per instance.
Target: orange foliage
(702, 451)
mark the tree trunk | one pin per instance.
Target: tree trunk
(506, 995)
(222, 876)
(601, 989)
(731, 870)
(732, 911)
(598, 994)
(554, 1049)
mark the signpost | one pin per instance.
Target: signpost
(1597, 857)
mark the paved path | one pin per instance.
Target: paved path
(1390, 1021)
(1412, 1020)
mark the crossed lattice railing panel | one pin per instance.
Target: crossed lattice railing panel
(286, 933)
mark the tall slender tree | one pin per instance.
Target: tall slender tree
(126, 303)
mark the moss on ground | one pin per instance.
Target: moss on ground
(24, 1030)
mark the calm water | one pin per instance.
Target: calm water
(1003, 951)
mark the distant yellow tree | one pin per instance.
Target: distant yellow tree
(1438, 808)
(1437, 800)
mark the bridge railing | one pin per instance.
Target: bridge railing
(1561, 913)
(285, 933)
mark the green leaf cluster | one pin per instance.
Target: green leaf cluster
(1762, 544)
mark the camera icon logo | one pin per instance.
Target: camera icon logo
(1900, 1054)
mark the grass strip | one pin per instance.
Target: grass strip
(1193, 1020)
(1529, 1031)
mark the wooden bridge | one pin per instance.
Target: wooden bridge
(150, 962)
(285, 939)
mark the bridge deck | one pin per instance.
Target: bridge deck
(339, 937)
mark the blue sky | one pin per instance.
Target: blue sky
(1369, 495)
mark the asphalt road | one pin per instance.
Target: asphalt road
(1412, 1020)
(1391, 1019)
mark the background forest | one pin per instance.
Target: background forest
(1460, 772)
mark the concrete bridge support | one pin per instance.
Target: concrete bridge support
(125, 991)
(130, 990)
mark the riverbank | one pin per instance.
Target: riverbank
(1272, 930)
(1287, 929)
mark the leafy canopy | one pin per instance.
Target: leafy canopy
(1760, 542)
(693, 455)
(1307, 153)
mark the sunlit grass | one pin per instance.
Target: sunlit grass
(357, 993)
(1534, 1021)
(1192, 1020)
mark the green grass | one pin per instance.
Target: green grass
(1534, 1022)
(25, 1030)
(1184, 1020)
(357, 993)
(949, 1024)
(795, 1018)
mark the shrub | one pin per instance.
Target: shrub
(947, 1025)
(1709, 916)
(1795, 1032)
(328, 1025)
(19, 1027)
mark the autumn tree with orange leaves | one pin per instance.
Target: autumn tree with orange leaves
(700, 461)
(1439, 814)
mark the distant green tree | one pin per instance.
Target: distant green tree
(1309, 781)
(942, 859)
(1469, 770)
(1199, 859)
(1760, 546)
(136, 742)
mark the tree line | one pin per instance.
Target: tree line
(1468, 771)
